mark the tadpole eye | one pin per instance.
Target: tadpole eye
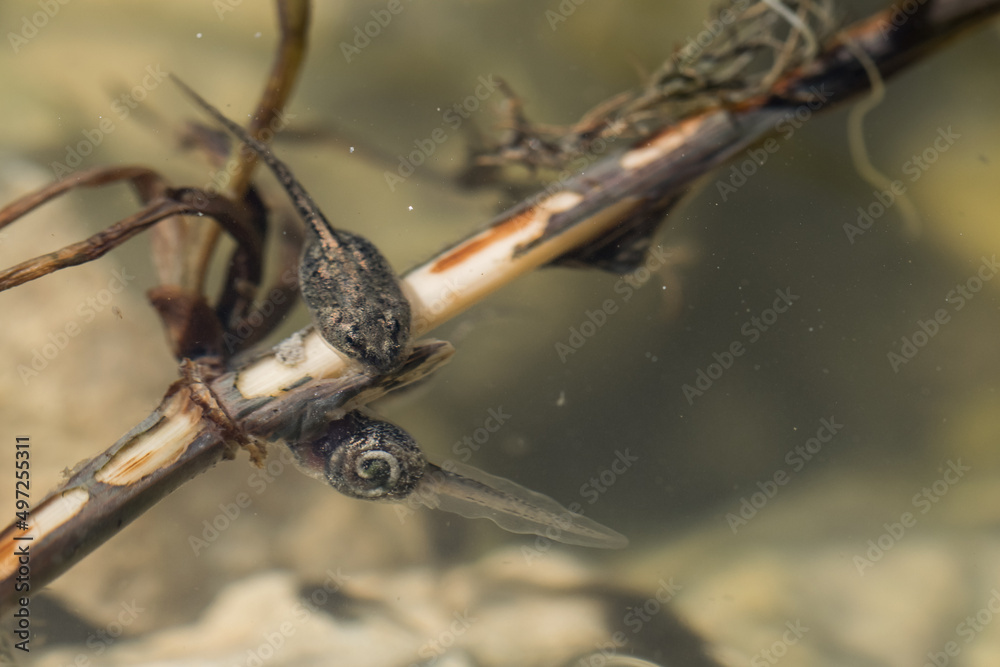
(374, 460)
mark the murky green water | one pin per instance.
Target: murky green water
(826, 496)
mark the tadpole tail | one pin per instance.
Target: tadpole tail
(474, 494)
(304, 203)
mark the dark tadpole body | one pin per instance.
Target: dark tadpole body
(352, 293)
(354, 300)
